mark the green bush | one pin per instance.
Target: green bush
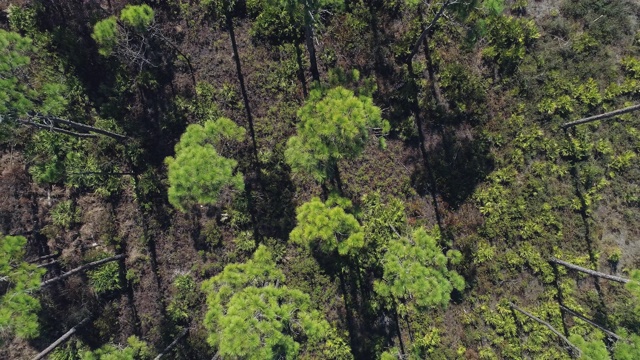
(65, 214)
(106, 278)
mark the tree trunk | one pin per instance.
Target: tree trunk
(45, 257)
(590, 322)
(62, 339)
(433, 79)
(77, 126)
(80, 269)
(427, 30)
(173, 343)
(243, 89)
(308, 34)
(576, 352)
(415, 107)
(601, 116)
(589, 271)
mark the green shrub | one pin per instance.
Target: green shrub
(106, 278)
(65, 214)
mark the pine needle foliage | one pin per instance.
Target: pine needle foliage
(18, 309)
(333, 126)
(198, 173)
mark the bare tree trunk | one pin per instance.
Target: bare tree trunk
(80, 269)
(590, 322)
(601, 116)
(82, 127)
(428, 29)
(173, 343)
(46, 257)
(62, 339)
(243, 89)
(576, 352)
(56, 129)
(589, 271)
(308, 34)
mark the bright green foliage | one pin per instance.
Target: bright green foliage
(105, 278)
(64, 214)
(18, 309)
(137, 16)
(591, 350)
(627, 349)
(136, 349)
(328, 226)
(13, 49)
(380, 223)
(198, 173)
(252, 316)
(508, 39)
(416, 274)
(634, 287)
(332, 126)
(105, 33)
(184, 299)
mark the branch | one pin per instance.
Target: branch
(550, 327)
(589, 271)
(56, 129)
(46, 257)
(79, 126)
(81, 268)
(601, 116)
(62, 339)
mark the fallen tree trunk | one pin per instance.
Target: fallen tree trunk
(611, 334)
(589, 271)
(62, 339)
(46, 257)
(577, 353)
(81, 268)
(173, 343)
(601, 116)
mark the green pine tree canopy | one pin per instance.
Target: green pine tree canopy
(332, 126)
(416, 273)
(198, 173)
(18, 308)
(253, 315)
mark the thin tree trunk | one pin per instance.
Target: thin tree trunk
(590, 322)
(397, 321)
(308, 34)
(56, 129)
(433, 79)
(415, 106)
(577, 353)
(79, 126)
(601, 116)
(589, 271)
(243, 88)
(428, 29)
(173, 343)
(62, 339)
(301, 77)
(80, 269)
(48, 264)
(46, 257)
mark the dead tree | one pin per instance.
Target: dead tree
(80, 269)
(610, 334)
(62, 338)
(589, 271)
(576, 352)
(173, 343)
(601, 116)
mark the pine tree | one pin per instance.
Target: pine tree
(332, 126)
(251, 315)
(328, 226)
(136, 349)
(198, 173)
(416, 274)
(18, 309)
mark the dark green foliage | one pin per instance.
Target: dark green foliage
(105, 278)
(18, 308)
